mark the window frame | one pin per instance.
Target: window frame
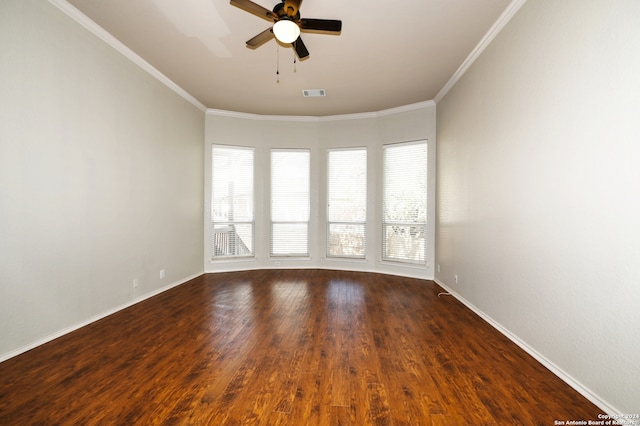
(232, 223)
(273, 223)
(329, 222)
(411, 225)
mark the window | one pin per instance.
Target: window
(290, 202)
(232, 202)
(404, 216)
(347, 203)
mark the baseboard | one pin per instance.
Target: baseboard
(576, 385)
(222, 267)
(95, 318)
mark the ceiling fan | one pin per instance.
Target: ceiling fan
(287, 24)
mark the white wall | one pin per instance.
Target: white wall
(538, 190)
(101, 178)
(371, 130)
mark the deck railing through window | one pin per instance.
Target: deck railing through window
(227, 242)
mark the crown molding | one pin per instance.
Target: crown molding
(354, 116)
(406, 108)
(502, 21)
(259, 117)
(105, 36)
(317, 119)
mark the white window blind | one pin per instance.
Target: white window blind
(347, 203)
(232, 231)
(404, 220)
(290, 202)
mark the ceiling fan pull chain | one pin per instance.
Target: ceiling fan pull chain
(294, 58)
(277, 63)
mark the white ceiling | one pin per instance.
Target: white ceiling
(389, 53)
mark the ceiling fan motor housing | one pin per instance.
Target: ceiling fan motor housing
(292, 8)
(285, 11)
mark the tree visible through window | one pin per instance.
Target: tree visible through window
(347, 202)
(232, 202)
(404, 220)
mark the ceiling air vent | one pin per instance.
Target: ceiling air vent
(312, 93)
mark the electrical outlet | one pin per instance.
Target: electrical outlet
(161, 274)
(438, 267)
(136, 282)
(455, 279)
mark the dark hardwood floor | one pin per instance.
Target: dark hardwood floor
(304, 347)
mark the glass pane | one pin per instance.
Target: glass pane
(232, 184)
(290, 200)
(404, 243)
(405, 183)
(289, 239)
(230, 239)
(346, 240)
(347, 186)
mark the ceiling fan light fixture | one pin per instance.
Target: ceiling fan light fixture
(286, 31)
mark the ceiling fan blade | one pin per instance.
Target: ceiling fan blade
(255, 9)
(330, 25)
(260, 39)
(300, 48)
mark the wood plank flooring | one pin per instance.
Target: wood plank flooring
(304, 347)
